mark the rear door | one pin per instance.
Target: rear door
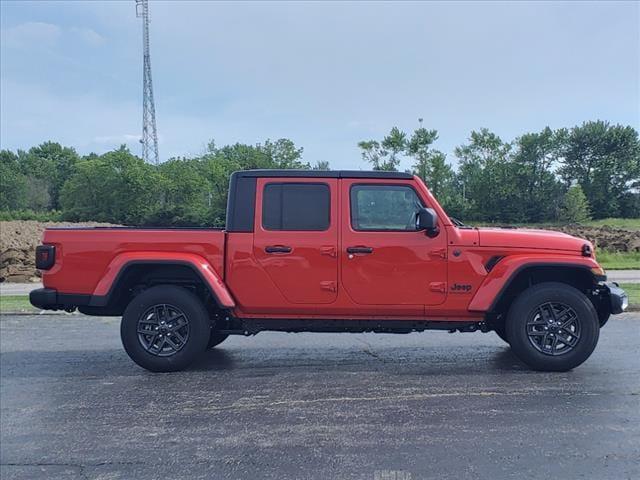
(296, 237)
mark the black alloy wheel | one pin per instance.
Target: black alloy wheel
(554, 328)
(163, 330)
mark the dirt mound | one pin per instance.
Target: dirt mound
(605, 238)
(18, 241)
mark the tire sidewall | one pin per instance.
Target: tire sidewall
(190, 305)
(501, 332)
(216, 339)
(525, 305)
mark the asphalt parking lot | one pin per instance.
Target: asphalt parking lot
(317, 406)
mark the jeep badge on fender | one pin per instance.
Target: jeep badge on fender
(463, 288)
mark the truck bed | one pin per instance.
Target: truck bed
(88, 251)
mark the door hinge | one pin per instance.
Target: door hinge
(438, 287)
(441, 252)
(329, 286)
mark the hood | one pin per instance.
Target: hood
(526, 238)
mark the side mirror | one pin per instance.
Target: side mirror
(427, 220)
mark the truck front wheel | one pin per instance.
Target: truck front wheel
(552, 327)
(501, 332)
(165, 328)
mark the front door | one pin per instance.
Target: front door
(385, 261)
(296, 237)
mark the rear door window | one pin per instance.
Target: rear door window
(296, 206)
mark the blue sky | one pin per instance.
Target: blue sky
(326, 75)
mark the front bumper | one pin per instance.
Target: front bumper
(618, 298)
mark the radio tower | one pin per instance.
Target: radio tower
(149, 138)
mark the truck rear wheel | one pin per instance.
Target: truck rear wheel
(165, 328)
(216, 339)
(552, 327)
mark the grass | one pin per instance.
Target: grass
(633, 290)
(618, 260)
(16, 303)
(624, 223)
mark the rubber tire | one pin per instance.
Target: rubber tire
(199, 328)
(523, 307)
(216, 339)
(501, 332)
(603, 317)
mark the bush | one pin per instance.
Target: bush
(575, 207)
(50, 216)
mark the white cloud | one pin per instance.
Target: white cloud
(89, 36)
(31, 33)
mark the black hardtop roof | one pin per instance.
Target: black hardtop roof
(323, 174)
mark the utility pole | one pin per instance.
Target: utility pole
(149, 138)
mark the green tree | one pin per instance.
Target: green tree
(51, 164)
(184, 194)
(374, 154)
(575, 207)
(630, 205)
(395, 143)
(431, 165)
(38, 196)
(217, 164)
(115, 187)
(385, 155)
(538, 190)
(322, 165)
(13, 183)
(419, 148)
(486, 177)
(283, 154)
(605, 160)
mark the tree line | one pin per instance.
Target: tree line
(53, 182)
(591, 170)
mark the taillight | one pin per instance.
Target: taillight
(45, 257)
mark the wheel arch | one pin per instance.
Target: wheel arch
(512, 276)
(128, 272)
(580, 278)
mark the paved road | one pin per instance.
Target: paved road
(313, 406)
(17, 288)
(622, 276)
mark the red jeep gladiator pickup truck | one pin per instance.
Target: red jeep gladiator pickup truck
(334, 251)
